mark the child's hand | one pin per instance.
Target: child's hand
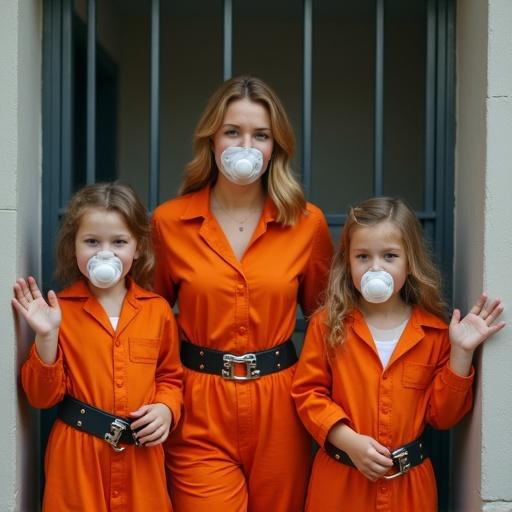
(43, 317)
(467, 334)
(153, 423)
(371, 458)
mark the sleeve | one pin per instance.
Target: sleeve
(44, 384)
(312, 385)
(314, 279)
(169, 372)
(163, 283)
(450, 396)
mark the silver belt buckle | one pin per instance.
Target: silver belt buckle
(231, 360)
(117, 427)
(400, 457)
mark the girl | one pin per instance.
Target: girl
(239, 250)
(106, 349)
(379, 363)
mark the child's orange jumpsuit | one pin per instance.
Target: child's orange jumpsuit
(117, 371)
(392, 405)
(240, 445)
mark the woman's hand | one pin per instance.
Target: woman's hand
(43, 317)
(152, 423)
(371, 458)
(467, 334)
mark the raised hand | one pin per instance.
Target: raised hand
(43, 317)
(152, 423)
(468, 333)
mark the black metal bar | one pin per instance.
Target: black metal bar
(338, 219)
(228, 40)
(154, 125)
(67, 103)
(430, 115)
(91, 92)
(307, 96)
(378, 143)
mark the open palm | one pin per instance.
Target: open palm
(43, 317)
(477, 325)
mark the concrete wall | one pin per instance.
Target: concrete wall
(20, 222)
(483, 244)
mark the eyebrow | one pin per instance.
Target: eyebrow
(238, 126)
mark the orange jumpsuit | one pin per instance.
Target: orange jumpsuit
(117, 372)
(240, 445)
(392, 405)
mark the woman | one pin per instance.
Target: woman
(238, 250)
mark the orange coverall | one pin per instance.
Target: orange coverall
(117, 372)
(240, 445)
(392, 405)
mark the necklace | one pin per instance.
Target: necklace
(239, 222)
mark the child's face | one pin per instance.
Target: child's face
(378, 247)
(102, 230)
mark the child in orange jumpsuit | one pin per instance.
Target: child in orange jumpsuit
(106, 351)
(379, 363)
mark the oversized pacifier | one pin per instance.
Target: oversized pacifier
(377, 286)
(104, 269)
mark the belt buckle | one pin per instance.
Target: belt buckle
(117, 427)
(400, 457)
(250, 365)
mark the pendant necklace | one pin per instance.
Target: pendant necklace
(239, 222)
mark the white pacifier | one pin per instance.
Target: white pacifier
(242, 165)
(377, 286)
(104, 269)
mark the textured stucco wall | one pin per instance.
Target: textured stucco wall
(20, 176)
(483, 244)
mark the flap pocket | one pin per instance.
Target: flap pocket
(144, 350)
(417, 375)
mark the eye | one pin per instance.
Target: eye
(231, 132)
(390, 255)
(362, 257)
(90, 241)
(120, 241)
(262, 136)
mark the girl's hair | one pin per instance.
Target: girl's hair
(111, 197)
(279, 182)
(423, 283)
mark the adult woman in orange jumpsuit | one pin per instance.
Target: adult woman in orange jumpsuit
(238, 250)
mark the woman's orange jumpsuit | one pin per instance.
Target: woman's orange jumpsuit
(240, 445)
(392, 405)
(117, 371)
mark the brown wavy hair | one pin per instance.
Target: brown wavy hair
(423, 283)
(279, 181)
(112, 197)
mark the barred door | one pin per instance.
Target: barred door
(368, 85)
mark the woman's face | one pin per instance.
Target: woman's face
(246, 124)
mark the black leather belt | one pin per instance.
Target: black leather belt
(86, 418)
(404, 458)
(257, 364)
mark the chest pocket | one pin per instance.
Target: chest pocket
(144, 350)
(417, 375)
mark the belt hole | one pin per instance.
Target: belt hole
(201, 353)
(82, 411)
(337, 456)
(78, 423)
(201, 366)
(279, 365)
(277, 352)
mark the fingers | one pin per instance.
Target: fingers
(480, 303)
(34, 289)
(52, 299)
(455, 317)
(493, 311)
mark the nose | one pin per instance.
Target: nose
(246, 141)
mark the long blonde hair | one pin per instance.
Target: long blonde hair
(112, 197)
(279, 182)
(423, 283)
